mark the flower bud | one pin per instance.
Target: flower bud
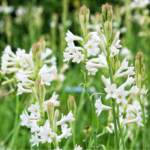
(106, 27)
(35, 49)
(104, 12)
(107, 12)
(84, 18)
(102, 46)
(50, 113)
(36, 85)
(139, 81)
(56, 114)
(117, 65)
(38, 58)
(109, 15)
(41, 93)
(137, 66)
(110, 30)
(72, 104)
(42, 44)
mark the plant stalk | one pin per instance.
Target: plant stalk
(120, 129)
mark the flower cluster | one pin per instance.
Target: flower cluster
(46, 130)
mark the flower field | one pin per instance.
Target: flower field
(74, 74)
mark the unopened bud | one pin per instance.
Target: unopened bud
(117, 65)
(110, 15)
(110, 30)
(35, 49)
(72, 104)
(104, 12)
(42, 44)
(139, 81)
(50, 113)
(137, 66)
(102, 46)
(56, 114)
(36, 85)
(102, 20)
(38, 58)
(106, 27)
(41, 92)
(116, 38)
(84, 18)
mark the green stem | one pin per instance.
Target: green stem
(90, 145)
(74, 142)
(115, 124)
(113, 110)
(8, 136)
(15, 125)
(95, 139)
(120, 129)
(144, 129)
(86, 91)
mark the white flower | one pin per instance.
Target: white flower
(138, 120)
(25, 119)
(53, 100)
(128, 82)
(128, 72)
(121, 94)
(35, 140)
(106, 81)
(116, 41)
(94, 63)
(92, 71)
(143, 92)
(72, 48)
(65, 132)
(94, 37)
(129, 111)
(67, 56)
(100, 107)
(22, 90)
(78, 57)
(35, 110)
(51, 60)
(110, 128)
(23, 62)
(111, 91)
(136, 103)
(35, 127)
(114, 51)
(71, 37)
(20, 53)
(77, 147)
(46, 134)
(133, 90)
(68, 118)
(92, 48)
(45, 54)
(46, 78)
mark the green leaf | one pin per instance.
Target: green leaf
(95, 122)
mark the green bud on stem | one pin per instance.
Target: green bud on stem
(50, 113)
